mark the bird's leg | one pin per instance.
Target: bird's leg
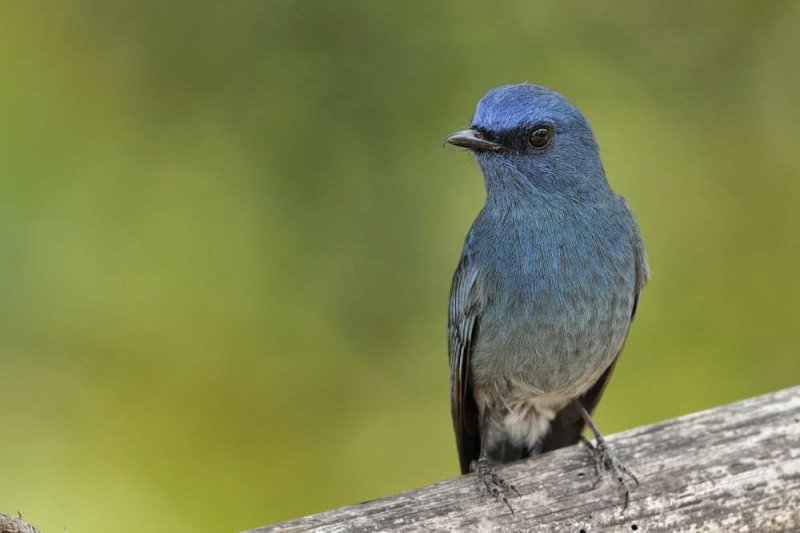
(487, 479)
(604, 460)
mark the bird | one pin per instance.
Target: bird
(545, 290)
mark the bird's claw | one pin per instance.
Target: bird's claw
(492, 483)
(605, 461)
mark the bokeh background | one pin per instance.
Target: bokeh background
(227, 233)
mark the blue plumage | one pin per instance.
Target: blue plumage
(548, 281)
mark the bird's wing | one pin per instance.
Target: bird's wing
(463, 319)
(567, 426)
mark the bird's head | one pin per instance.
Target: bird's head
(529, 137)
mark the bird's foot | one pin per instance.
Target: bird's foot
(606, 461)
(490, 482)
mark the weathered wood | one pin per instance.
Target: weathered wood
(732, 468)
(12, 524)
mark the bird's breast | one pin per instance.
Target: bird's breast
(557, 296)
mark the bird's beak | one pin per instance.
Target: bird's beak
(472, 139)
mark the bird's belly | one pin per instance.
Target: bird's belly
(557, 346)
(520, 413)
(525, 370)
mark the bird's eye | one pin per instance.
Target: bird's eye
(541, 137)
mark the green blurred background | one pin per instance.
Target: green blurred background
(227, 232)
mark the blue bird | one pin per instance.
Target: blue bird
(546, 288)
